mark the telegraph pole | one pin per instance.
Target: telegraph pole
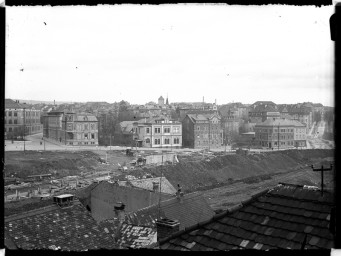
(278, 137)
(322, 170)
(24, 128)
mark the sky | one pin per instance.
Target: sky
(137, 53)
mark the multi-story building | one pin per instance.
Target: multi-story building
(71, 128)
(302, 112)
(20, 117)
(158, 133)
(280, 133)
(262, 110)
(202, 131)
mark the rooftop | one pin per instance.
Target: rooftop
(286, 217)
(281, 122)
(53, 227)
(192, 209)
(166, 186)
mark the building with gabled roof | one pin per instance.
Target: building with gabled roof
(281, 133)
(188, 209)
(284, 217)
(21, 119)
(151, 184)
(105, 195)
(202, 131)
(57, 227)
(71, 128)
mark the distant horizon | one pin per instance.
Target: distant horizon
(170, 102)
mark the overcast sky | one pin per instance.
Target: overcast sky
(138, 53)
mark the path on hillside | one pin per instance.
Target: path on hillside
(230, 195)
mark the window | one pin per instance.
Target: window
(176, 129)
(85, 136)
(15, 121)
(198, 128)
(166, 130)
(10, 121)
(166, 140)
(15, 114)
(86, 143)
(86, 126)
(147, 131)
(176, 141)
(157, 130)
(92, 126)
(92, 136)
(148, 140)
(157, 141)
(10, 129)
(9, 113)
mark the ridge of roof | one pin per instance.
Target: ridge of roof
(37, 211)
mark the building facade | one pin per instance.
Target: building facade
(280, 134)
(71, 128)
(20, 117)
(202, 131)
(158, 133)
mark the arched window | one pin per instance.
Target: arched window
(148, 140)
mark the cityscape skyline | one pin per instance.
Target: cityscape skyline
(139, 53)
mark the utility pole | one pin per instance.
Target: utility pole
(322, 170)
(65, 127)
(24, 128)
(278, 136)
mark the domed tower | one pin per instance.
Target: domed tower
(161, 101)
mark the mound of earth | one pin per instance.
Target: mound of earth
(193, 175)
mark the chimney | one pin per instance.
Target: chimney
(166, 227)
(179, 194)
(120, 217)
(155, 186)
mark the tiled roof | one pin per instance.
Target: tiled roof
(191, 210)
(287, 216)
(281, 122)
(166, 186)
(89, 117)
(70, 228)
(132, 236)
(11, 104)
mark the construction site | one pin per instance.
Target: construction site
(226, 178)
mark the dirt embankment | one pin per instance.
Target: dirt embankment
(56, 163)
(223, 169)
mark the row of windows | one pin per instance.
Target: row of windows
(166, 141)
(80, 143)
(215, 127)
(15, 121)
(176, 129)
(274, 130)
(206, 142)
(27, 113)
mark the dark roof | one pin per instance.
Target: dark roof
(287, 216)
(191, 210)
(132, 236)
(280, 122)
(9, 103)
(70, 228)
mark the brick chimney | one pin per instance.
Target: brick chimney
(179, 194)
(166, 227)
(120, 216)
(156, 186)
